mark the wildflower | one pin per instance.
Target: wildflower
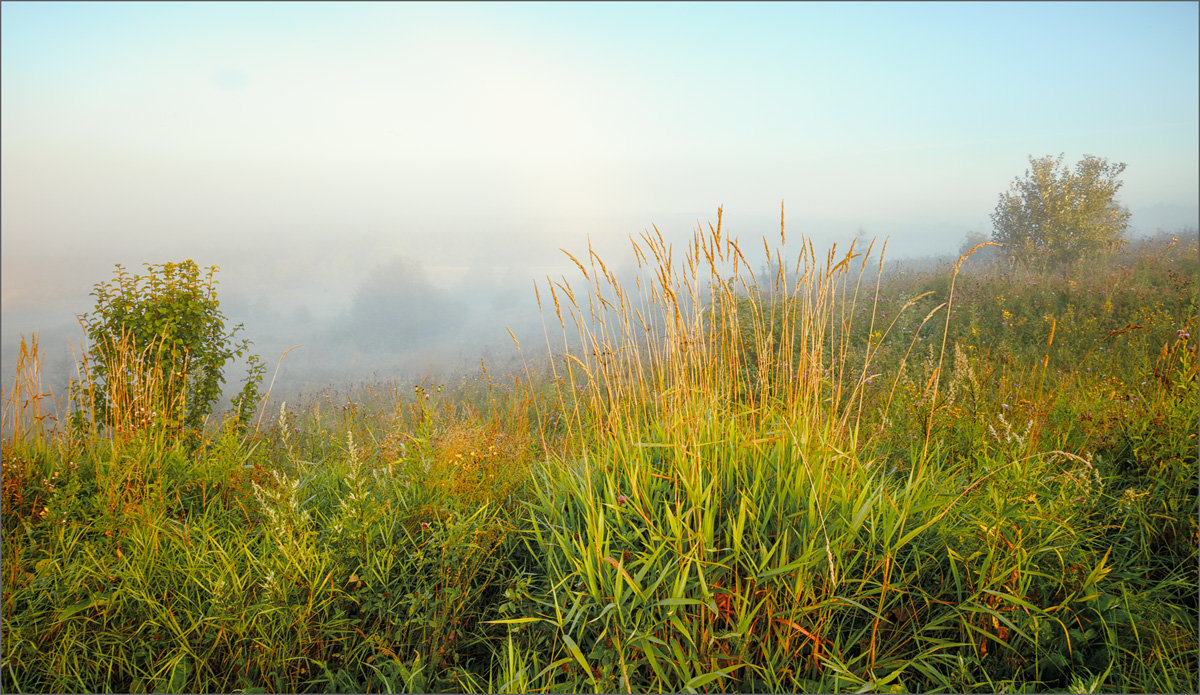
(424, 525)
(621, 500)
(1183, 334)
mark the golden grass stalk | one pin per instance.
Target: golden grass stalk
(706, 331)
(25, 411)
(262, 404)
(945, 333)
(139, 392)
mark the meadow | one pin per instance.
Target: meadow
(820, 475)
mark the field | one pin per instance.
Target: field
(822, 475)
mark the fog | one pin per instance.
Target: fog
(383, 183)
(364, 314)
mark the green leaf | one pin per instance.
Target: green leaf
(177, 681)
(790, 567)
(704, 679)
(575, 652)
(74, 608)
(511, 621)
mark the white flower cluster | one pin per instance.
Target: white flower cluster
(281, 505)
(1010, 435)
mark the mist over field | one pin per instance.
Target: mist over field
(383, 183)
(362, 316)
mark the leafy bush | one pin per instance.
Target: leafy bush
(158, 349)
(1054, 217)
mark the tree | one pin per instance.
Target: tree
(984, 256)
(398, 308)
(158, 347)
(1054, 216)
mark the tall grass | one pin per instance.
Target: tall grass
(720, 528)
(817, 478)
(30, 409)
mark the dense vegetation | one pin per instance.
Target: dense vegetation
(1055, 216)
(158, 344)
(817, 478)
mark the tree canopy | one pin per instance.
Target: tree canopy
(1055, 216)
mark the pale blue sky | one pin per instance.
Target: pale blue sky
(300, 145)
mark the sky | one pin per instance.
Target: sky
(314, 150)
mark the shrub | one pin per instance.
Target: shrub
(158, 349)
(1053, 217)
